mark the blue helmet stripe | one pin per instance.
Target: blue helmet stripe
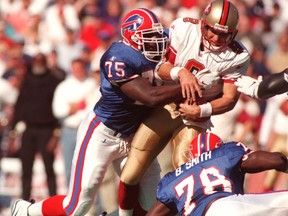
(203, 143)
(152, 15)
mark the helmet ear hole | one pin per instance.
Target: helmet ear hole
(134, 38)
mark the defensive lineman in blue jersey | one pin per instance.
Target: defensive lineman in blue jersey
(211, 183)
(104, 136)
(117, 110)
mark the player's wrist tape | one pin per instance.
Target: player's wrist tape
(205, 110)
(174, 73)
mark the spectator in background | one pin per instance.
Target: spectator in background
(105, 41)
(10, 85)
(33, 108)
(86, 57)
(52, 64)
(69, 49)
(58, 17)
(34, 37)
(276, 10)
(246, 34)
(4, 39)
(87, 8)
(19, 18)
(248, 121)
(72, 99)
(8, 96)
(91, 26)
(277, 60)
(113, 13)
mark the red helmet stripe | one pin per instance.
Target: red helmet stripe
(225, 12)
(151, 15)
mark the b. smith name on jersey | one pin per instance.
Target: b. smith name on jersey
(203, 157)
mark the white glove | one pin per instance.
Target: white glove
(248, 85)
(207, 78)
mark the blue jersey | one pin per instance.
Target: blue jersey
(119, 64)
(190, 188)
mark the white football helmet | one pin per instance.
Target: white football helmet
(221, 17)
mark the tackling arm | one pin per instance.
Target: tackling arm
(259, 161)
(141, 90)
(188, 81)
(271, 86)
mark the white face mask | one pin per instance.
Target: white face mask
(208, 46)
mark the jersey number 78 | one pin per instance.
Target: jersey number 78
(208, 185)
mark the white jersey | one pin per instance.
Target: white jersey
(185, 51)
(185, 42)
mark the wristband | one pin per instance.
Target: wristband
(174, 73)
(205, 110)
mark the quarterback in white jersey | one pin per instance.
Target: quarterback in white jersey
(188, 51)
(204, 57)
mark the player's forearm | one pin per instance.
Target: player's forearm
(273, 85)
(143, 92)
(223, 104)
(259, 161)
(162, 95)
(228, 100)
(164, 71)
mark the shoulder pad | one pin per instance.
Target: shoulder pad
(236, 47)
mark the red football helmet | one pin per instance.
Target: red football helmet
(204, 142)
(141, 28)
(221, 17)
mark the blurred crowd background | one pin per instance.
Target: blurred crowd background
(66, 38)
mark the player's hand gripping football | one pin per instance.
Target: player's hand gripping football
(191, 111)
(248, 85)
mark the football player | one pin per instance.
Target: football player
(204, 57)
(128, 93)
(273, 85)
(211, 183)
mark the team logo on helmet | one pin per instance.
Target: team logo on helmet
(132, 23)
(208, 9)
